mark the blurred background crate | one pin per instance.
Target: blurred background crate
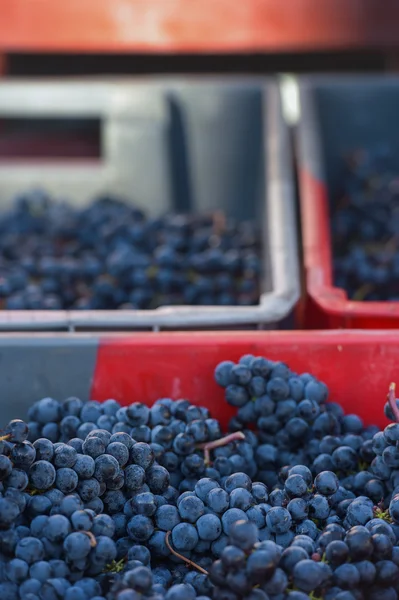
(337, 116)
(142, 37)
(189, 144)
(76, 140)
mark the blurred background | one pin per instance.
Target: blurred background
(242, 112)
(175, 36)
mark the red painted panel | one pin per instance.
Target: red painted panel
(195, 25)
(357, 365)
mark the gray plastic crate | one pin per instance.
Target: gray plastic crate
(134, 128)
(339, 114)
(189, 144)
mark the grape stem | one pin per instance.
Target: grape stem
(3, 438)
(186, 560)
(208, 446)
(93, 541)
(219, 222)
(392, 401)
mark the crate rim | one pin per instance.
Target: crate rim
(193, 337)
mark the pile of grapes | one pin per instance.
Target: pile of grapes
(110, 256)
(365, 228)
(296, 501)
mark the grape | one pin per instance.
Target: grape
(23, 454)
(295, 486)
(5, 467)
(191, 508)
(77, 546)
(184, 537)
(17, 570)
(30, 550)
(66, 480)
(42, 475)
(17, 431)
(209, 527)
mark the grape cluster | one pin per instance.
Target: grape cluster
(175, 431)
(365, 228)
(100, 501)
(360, 562)
(295, 424)
(110, 256)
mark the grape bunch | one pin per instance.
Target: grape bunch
(111, 256)
(297, 500)
(294, 422)
(365, 227)
(360, 562)
(175, 430)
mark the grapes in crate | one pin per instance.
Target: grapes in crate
(365, 228)
(296, 500)
(111, 256)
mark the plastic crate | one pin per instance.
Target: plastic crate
(131, 122)
(193, 26)
(338, 115)
(358, 366)
(192, 144)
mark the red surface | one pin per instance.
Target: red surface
(196, 25)
(357, 366)
(325, 305)
(48, 146)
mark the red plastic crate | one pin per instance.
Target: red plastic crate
(196, 26)
(326, 131)
(358, 366)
